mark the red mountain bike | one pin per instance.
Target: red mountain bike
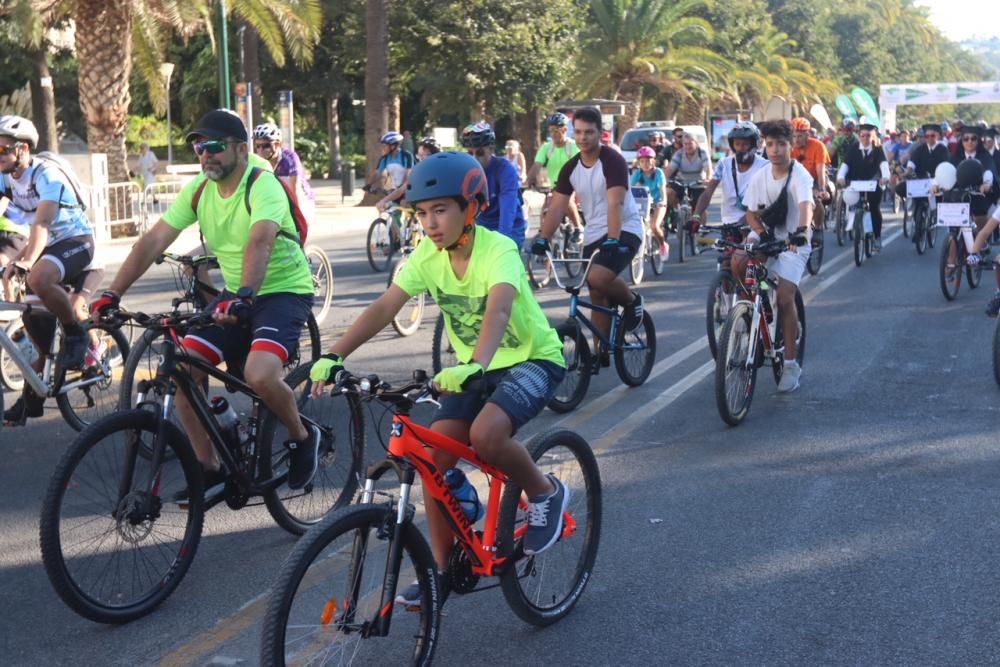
(336, 590)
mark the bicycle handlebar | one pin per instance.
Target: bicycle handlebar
(193, 261)
(159, 321)
(769, 248)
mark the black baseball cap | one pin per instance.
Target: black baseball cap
(931, 127)
(219, 124)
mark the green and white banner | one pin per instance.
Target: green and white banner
(939, 93)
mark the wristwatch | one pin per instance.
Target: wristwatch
(245, 293)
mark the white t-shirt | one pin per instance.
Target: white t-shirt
(765, 189)
(723, 173)
(591, 186)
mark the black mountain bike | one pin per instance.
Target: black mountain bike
(123, 513)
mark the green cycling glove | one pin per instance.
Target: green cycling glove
(451, 379)
(326, 368)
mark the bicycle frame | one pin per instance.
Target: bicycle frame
(40, 384)
(575, 302)
(409, 455)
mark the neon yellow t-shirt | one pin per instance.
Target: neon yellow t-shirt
(226, 225)
(553, 157)
(494, 260)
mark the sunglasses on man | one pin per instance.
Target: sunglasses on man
(969, 138)
(7, 150)
(263, 146)
(212, 147)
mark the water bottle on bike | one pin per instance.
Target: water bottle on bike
(465, 493)
(229, 421)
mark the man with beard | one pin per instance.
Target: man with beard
(733, 173)
(245, 217)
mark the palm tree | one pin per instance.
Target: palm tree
(639, 44)
(111, 35)
(376, 82)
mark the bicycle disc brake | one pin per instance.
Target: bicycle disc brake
(462, 579)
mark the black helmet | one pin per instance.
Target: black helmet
(744, 130)
(431, 144)
(969, 174)
(478, 135)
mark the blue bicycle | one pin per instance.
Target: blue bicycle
(634, 351)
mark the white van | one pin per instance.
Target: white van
(639, 136)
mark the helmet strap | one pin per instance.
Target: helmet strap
(470, 221)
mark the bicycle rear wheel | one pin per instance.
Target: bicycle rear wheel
(722, 296)
(329, 590)
(931, 228)
(442, 353)
(735, 372)
(407, 321)
(380, 246)
(816, 256)
(91, 392)
(341, 455)
(322, 277)
(635, 351)
(996, 353)
(544, 588)
(778, 363)
(681, 220)
(950, 274)
(111, 557)
(576, 351)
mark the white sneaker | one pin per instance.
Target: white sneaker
(790, 377)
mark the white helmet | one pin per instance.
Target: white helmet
(20, 129)
(267, 131)
(946, 175)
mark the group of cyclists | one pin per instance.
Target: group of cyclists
(775, 181)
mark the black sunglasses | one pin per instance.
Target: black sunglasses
(213, 147)
(7, 150)
(971, 137)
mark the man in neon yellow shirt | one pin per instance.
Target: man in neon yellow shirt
(268, 288)
(552, 155)
(499, 334)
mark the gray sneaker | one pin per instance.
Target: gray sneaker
(545, 519)
(790, 377)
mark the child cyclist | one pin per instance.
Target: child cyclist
(499, 334)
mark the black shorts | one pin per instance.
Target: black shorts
(72, 256)
(628, 245)
(11, 244)
(521, 391)
(276, 322)
(693, 193)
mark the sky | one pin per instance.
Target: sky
(962, 19)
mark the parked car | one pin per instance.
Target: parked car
(639, 136)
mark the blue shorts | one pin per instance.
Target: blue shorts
(521, 391)
(276, 322)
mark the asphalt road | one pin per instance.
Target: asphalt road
(851, 522)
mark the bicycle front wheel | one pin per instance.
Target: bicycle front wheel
(442, 353)
(330, 588)
(112, 549)
(380, 246)
(735, 372)
(341, 455)
(949, 270)
(919, 229)
(931, 229)
(576, 351)
(322, 277)
(91, 392)
(859, 236)
(637, 267)
(10, 374)
(908, 226)
(408, 319)
(572, 250)
(544, 588)
(841, 224)
(681, 222)
(996, 352)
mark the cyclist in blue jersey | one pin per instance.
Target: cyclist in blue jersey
(651, 177)
(505, 210)
(394, 167)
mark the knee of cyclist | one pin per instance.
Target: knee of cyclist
(38, 281)
(487, 441)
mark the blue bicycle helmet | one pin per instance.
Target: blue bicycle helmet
(448, 174)
(557, 119)
(391, 138)
(478, 135)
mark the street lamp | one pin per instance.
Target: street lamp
(166, 69)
